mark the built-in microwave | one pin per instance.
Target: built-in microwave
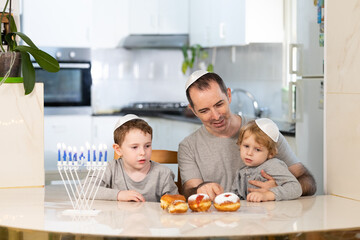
(71, 85)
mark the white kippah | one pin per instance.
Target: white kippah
(268, 127)
(193, 77)
(125, 119)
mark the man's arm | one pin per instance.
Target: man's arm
(305, 179)
(194, 186)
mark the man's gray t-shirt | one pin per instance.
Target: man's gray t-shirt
(158, 181)
(204, 156)
(288, 187)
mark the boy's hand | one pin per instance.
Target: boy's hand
(263, 186)
(260, 196)
(130, 196)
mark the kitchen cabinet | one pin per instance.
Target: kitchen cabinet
(64, 23)
(235, 22)
(72, 130)
(159, 16)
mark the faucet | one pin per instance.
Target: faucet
(258, 112)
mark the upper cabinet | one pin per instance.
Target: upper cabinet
(159, 17)
(63, 23)
(235, 22)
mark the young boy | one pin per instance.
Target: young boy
(134, 177)
(257, 142)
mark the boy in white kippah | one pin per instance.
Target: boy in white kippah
(134, 177)
(257, 143)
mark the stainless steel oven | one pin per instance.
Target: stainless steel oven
(71, 85)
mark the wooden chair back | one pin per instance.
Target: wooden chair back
(164, 156)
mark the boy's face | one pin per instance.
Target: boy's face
(135, 149)
(252, 153)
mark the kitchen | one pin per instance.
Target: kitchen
(256, 67)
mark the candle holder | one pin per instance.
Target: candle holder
(81, 192)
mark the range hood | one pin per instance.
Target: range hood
(156, 41)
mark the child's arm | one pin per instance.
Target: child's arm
(130, 196)
(260, 196)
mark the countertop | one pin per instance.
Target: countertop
(41, 211)
(286, 128)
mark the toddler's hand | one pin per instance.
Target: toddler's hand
(130, 195)
(260, 196)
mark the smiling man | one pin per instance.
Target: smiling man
(209, 157)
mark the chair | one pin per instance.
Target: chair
(167, 157)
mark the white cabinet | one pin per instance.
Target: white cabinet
(64, 23)
(109, 23)
(217, 23)
(235, 22)
(159, 16)
(73, 130)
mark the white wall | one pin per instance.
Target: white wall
(342, 98)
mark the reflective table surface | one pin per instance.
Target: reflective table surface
(27, 211)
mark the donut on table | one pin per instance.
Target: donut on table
(167, 199)
(199, 202)
(177, 206)
(227, 202)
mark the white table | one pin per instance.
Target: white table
(40, 211)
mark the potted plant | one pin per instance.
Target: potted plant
(198, 54)
(15, 54)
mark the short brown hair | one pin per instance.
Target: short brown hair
(120, 132)
(203, 83)
(260, 137)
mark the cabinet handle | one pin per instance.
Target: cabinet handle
(295, 68)
(222, 33)
(291, 103)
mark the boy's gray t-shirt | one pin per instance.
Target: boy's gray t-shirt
(204, 156)
(158, 181)
(288, 187)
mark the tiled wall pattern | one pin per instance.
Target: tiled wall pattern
(121, 76)
(342, 98)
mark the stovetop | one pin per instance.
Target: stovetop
(176, 108)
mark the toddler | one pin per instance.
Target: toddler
(134, 177)
(257, 143)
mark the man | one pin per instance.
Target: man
(209, 157)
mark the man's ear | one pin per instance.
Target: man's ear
(192, 109)
(117, 149)
(228, 91)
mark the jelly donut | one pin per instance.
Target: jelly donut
(199, 202)
(167, 199)
(227, 202)
(177, 206)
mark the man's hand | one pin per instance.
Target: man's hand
(211, 189)
(263, 186)
(130, 196)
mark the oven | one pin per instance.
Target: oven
(71, 85)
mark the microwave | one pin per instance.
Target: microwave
(71, 85)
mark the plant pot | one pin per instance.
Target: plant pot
(13, 60)
(22, 136)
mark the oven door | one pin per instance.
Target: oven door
(70, 86)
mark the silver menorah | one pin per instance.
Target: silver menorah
(81, 192)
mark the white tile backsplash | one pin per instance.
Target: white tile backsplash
(121, 76)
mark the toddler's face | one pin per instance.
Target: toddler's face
(136, 149)
(251, 152)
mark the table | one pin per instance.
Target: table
(38, 212)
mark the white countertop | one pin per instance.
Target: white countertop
(42, 209)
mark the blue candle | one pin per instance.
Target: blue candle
(59, 152)
(81, 157)
(88, 151)
(94, 153)
(75, 154)
(64, 152)
(105, 147)
(70, 155)
(100, 152)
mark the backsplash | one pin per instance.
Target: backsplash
(121, 76)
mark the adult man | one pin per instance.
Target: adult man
(209, 157)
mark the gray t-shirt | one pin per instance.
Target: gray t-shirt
(158, 181)
(204, 156)
(288, 187)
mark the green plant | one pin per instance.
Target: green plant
(198, 53)
(44, 60)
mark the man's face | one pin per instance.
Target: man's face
(211, 106)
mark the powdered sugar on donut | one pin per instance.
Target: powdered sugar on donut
(226, 197)
(194, 196)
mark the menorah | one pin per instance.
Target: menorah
(82, 192)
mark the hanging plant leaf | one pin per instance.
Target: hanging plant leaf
(45, 61)
(28, 72)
